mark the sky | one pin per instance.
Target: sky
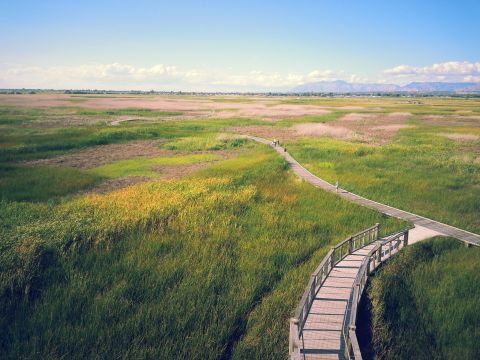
(235, 45)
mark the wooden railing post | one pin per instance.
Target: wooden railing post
(350, 245)
(377, 230)
(405, 238)
(293, 341)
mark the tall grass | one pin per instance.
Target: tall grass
(22, 183)
(188, 269)
(420, 171)
(425, 303)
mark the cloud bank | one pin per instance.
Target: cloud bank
(462, 71)
(163, 77)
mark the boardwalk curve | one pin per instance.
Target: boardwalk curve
(324, 323)
(434, 227)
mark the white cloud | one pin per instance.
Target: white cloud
(447, 71)
(166, 77)
(162, 77)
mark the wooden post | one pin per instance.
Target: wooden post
(405, 238)
(377, 230)
(350, 245)
(333, 257)
(293, 347)
(313, 288)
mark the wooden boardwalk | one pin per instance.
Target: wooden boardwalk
(435, 226)
(324, 323)
(323, 332)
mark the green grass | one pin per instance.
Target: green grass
(18, 143)
(420, 171)
(206, 267)
(145, 166)
(309, 119)
(208, 141)
(38, 183)
(194, 268)
(425, 303)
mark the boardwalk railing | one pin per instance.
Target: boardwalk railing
(334, 256)
(386, 248)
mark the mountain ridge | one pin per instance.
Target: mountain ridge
(341, 86)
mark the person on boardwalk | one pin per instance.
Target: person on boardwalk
(336, 186)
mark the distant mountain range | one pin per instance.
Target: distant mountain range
(341, 86)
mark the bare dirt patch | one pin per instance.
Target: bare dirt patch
(318, 129)
(104, 154)
(376, 119)
(461, 137)
(267, 132)
(376, 129)
(118, 183)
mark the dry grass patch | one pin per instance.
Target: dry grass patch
(461, 137)
(318, 129)
(191, 108)
(104, 154)
(118, 183)
(267, 132)
(449, 120)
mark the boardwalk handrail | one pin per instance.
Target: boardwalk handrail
(336, 254)
(386, 248)
(469, 238)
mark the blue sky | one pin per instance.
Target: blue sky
(235, 45)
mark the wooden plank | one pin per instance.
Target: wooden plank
(322, 357)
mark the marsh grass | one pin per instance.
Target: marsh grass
(207, 141)
(420, 171)
(335, 115)
(21, 183)
(206, 267)
(145, 166)
(195, 268)
(436, 283)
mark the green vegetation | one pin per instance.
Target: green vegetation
(208, 141)
(420, 171)
(210, 266)
(310, 119)
(425, 303)
(38, 183)
(192, 268)
(145, 166)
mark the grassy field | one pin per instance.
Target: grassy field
(204, 267)
(211, 264)
(420, 170)
(435, 283)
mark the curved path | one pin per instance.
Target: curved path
(322, 335)
(424, 227)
